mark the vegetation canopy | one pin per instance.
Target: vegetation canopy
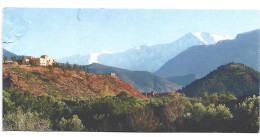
(221, 112)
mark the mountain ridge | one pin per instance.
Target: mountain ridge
(145, 57)
(201, 60)
(8, 54)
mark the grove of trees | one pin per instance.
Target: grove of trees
(219, 112)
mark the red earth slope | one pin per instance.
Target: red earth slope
(56, 81)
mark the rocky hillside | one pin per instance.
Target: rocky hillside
(63, 82)
(233, 77)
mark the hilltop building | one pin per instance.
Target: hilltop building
(44, 60)
(151, 94)
(113, 75)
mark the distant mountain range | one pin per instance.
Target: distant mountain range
(141, 80)
(203, 59)
(84, 59)
(192, 56)
(233, 77)
(145, 57)
(183, 80)
(8, 54)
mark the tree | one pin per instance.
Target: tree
(223, 112)
(84, 68)
(5, 58)
(62, 66)
(87, 76)
(88, 70)
(55, 64)
(143, 120)
(123, 95)
(68, 66)
(31, 62)
(14, 59)
(105, 91)
(218, 98)
(75, 67)
(214, 98)
(73, 124)
(205, 98)
(8, 104)
(246, 115)
(205, 119)
(20, 60)
(28, 121)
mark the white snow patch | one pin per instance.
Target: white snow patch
(208, 38)
(198, 35)
(219, 38)
(94, 56)
(148, 44)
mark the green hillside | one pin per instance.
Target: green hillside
(141, 80)
(233, 77)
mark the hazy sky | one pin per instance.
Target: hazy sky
(59, 33)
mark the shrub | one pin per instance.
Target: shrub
(20, 121)
(143, 120)
(73, 124)
(246, 115)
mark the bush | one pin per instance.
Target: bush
(20, 121)
(205, 119)
(246, 115)
(143, 120)
(73, 124)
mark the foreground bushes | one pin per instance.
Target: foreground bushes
(73, 124)
(205, 119)
(172, 113)
(28, 121)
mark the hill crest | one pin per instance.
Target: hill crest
(233, 77)
(62, 82)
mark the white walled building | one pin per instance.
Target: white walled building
(44, 60)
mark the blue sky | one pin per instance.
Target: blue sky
(58, 32)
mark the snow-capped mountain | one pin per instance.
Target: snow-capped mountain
(84, 59)
(207, 38)
(76, 59)
(93, 57)
(201, 60)
(146, 57)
